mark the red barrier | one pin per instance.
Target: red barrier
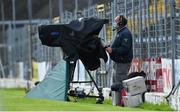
(146, 69)
(151, 85)
(153, 69)
(146, 66)
(159, 78)
(151, 81)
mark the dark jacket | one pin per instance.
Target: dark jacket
(122, 47)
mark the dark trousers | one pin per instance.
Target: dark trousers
(120, 73)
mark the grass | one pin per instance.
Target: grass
(13, 100)
(156, 107)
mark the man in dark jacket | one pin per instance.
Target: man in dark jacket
(121, 53)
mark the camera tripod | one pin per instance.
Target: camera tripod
(80, 93)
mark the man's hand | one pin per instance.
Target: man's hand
(109, 50)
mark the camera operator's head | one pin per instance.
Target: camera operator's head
(121, 21)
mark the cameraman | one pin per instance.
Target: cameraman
(121, 53)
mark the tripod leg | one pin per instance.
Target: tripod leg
(72, 69)
(101, 97)
(70, 72)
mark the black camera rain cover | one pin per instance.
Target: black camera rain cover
(78, 39)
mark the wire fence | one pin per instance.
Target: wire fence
(155, 26)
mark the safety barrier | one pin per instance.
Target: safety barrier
(158, 73)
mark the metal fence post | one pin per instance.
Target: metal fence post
(13, 36)
(2, 69)
(3, 36)
(89, 7)
(161, 29)
(172, 4)
(9, 42)
(76, 9)
(155, 25)
(133, 19)
(165, 28)
(140, 28)
(125, 8)
(61, 11)
(148, 27)
(30, 40)
(50, 11)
